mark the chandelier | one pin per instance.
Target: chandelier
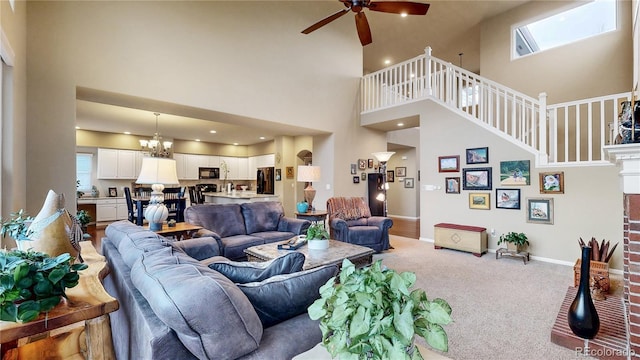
(156, 147)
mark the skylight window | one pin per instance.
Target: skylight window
(591, 19)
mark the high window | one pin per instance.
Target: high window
(591, 19)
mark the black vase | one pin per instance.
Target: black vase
(583, 317)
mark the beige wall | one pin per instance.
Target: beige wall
(240, 58)
(600, 65)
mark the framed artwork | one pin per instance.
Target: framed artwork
(363, 176)
(353, 169)
(478, 155)
(370, 163)
(289, 172)
(452, 185)
(408, 182)
(514, 173)
(390, 177)
(540, 211)
(278, 174)
(362, 164)
(552, 182)
(476, 179)
(356, 179)
(401, 171)
(479, 201)
(449, 163)
(113, 192)
(508, 199)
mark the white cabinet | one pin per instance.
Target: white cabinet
(180, 165)
(243, 168)
(232, 166)
(111, 209)
(192, 163)
(267, 160)
(251, 168)
(117, 164)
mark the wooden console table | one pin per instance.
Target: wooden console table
(78, 328)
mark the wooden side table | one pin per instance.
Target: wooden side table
(58, 334)
(315, 216)
(182, 230)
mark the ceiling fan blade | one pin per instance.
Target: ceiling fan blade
(364, 32)
(325, 21)
(399, 7)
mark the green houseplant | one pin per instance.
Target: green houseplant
(372, 314)
(33, 282)
(515, 241)
(17, 226)
(317, 237)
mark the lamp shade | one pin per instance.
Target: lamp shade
(308, 173)
(157, 170)
(383, 156)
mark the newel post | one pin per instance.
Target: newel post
(427, 52)
(542, 124)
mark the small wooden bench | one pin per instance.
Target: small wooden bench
(472, 239)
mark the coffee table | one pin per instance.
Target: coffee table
(359, 255)
(182, 230)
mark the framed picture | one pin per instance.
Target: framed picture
(514, 173)
(552, 182)
(390, 177)
(476, 179)
(113, 192)
(508, 199)
(289, 172)
(540, 211)
(401, 171)
(370, 163)
(356, 179)
(479, 201)
(452, 185)
(408, 182)
(478, 155)
(362, 164)
(363, 176)
(278, 174)
(449, 163)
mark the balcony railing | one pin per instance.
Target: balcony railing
(570, 133)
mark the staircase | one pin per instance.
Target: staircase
(567, 134)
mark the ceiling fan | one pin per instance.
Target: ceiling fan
(362, 25)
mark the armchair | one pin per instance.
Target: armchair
(350, 221)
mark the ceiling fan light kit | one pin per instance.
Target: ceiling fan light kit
(362, 24)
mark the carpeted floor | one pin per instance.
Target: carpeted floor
(502, 309)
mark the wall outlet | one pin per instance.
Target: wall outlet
(493, 232)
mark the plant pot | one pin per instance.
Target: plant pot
(317, 244)
(513, 247)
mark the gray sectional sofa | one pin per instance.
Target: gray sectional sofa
(173, 305)
(239, 226)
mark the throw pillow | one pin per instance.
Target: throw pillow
(246, 272)
(285, 296)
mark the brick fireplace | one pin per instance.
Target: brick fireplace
(627, 157)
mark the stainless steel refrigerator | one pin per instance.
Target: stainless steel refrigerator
(264, 181)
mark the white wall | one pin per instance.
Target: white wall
(235, 57)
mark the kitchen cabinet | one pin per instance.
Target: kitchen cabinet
(111, 209)
(117, 164)
(187, 164)
(232, 166)
(180, 165)
(243, 168)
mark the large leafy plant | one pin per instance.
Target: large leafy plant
(33, 282)
(371, 314)
(17, 225)
(518, 239)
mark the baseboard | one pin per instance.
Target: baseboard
(404, 217)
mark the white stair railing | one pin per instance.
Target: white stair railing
(572, 133)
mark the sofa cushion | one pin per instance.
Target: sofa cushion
(262, 216)
(246, 272)
(284, 296)
(132, 240)
(233, 246)
(224, 219)
(181, 292)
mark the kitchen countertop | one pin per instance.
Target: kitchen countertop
(238, 195)
(93, 200)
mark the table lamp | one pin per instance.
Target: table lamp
(309, 174)
(158, 172)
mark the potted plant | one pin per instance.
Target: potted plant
(32, 282)
(17, 226)
(84, 218)
(371, 314)
(317, 237)
(516, 242)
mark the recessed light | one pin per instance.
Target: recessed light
(387, 62)
(262, 137)
(77, 127)
(197, 140)
(403, 15)
(127, 133)
(212, 131)
(400, 124)
(235, 143)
